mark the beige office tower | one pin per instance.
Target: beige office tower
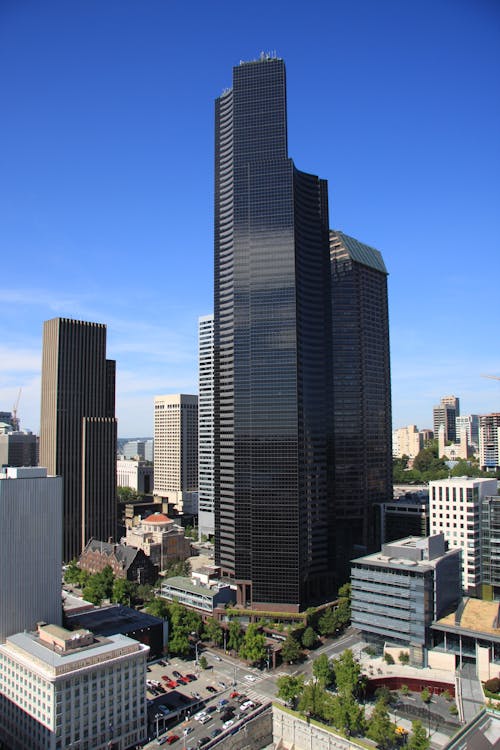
(176, 451)
(78, 428)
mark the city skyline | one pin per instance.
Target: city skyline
(100, 151)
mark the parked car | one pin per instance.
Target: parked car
(191, 677)
(172, 738)
(215, 732)
(228, 723)
(234, 694)
(176, 674)
(200, 715)
(205, 719)
(222, 684)
(211, 689)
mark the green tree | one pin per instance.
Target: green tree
(404, 657)
(253, 648)
(123, 591)
(347, 673)
(309, 638)
(72, 573)
(290, 650)
(179, 642)
(345, 591)
(426, 695)
(328, 622)
(202, 661)
(126, 494)
(312, 699)
(290, 687)
(418, 739)
(323, 670)
(380, 727)
(106, 578)
(157, 607)
(213, 631)
(93, 591)
(235, 635)
(345, 713)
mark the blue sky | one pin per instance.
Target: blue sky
(106, 177)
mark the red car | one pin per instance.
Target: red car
(172, 738)
(234, 694)
(185, 680)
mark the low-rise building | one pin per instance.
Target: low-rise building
(17, 448)
(197, 596)
(468, 635)
(407, 515)
(111, 619)
(161, 539)
(125, 562)
(398, 592)
(61, 689)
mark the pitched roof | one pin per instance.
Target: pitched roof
(348, 247)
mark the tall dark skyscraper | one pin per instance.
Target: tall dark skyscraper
(302, 408)
(273, 410)
(78, 428)
(362, 457)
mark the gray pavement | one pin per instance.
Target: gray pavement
(470, 693)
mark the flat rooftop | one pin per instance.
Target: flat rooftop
(474, 615)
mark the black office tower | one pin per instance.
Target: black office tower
(78, 428)
(273, 410)
(362, 397)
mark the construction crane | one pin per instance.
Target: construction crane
(491, 377)
(15, 420)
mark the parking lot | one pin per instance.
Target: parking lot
(188, 707)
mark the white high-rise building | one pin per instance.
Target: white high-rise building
(30, 549)
(176, 451)
(489, 441)
(63, 689)
(455, 511)
(206, 515)
(406, 441)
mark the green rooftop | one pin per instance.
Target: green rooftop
(347, 247)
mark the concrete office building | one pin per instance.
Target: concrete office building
(138, 475)
(176, 451)
(206, 513)
(398, 592)
(402, 517)
(445, 413)
(134, 449)
(17, 448)
(489, 443)
(455, 511)
(407, 441)
(30, 549)
(62, 689)
(469, 423)
(78, 428)
(361, 396)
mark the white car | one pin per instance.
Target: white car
(200, 715)
(250, 678)
(246, 705)
(228, 723)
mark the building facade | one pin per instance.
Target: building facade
(361, 394)
(445, 413)
(176, 451)
(134, 449)
(455, 511)
(407, 441)
(490, 547)
(398, 592)
(206, 512)
(125, 562)
(61, 689)
(161, 539)
(469, 422)
(30, 549)
(138, 475)
(489, 444)
(273, 406)
(404, 516)
(17, 448)
(78, 428)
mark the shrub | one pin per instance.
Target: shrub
(446, 695)
(404, 657)
(388, 659)
(426, 695)
(370, 650)
(493, 685)
(453, 709)
(404, 689)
